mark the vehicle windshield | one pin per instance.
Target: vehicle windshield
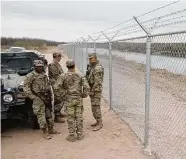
(15, 64)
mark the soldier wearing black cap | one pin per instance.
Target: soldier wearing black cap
(73, 87)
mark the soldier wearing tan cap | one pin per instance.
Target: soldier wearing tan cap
(95, 76)
(54, 71)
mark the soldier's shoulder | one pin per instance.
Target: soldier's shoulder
(80, 74)
(99, 68)
(63, 75)
(31, 74)
(73, 74)
(29, 77)
(50, 64)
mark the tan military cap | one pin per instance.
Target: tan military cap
(70, 62)
(91, 55)
(38, 63)
(55, 54)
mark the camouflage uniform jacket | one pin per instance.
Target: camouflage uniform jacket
(95, 78)
(71, 84)
(54, 71)
(35, 84)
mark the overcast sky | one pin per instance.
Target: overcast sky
(66, 21)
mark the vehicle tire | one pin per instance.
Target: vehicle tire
(2, 126)
(32, 118)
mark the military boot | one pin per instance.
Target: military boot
(94, 124)
(58, 119)
(71, 138)
(98, 126)
(80, 136)
(45, 134)
(52, 131)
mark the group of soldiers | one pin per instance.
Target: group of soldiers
(69, 89)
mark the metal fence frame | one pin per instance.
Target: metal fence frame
(82, 49)
(72, 48)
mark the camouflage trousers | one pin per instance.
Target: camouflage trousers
(95, 105)
(43, 113)
(75, 115)
(58, 104)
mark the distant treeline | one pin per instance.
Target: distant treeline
(27, 42)
(167, 49)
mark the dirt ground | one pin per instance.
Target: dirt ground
(114, 141)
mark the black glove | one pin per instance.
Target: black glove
(88, 71)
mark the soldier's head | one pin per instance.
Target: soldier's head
(57, 56)
(70, 64)
(38, 65)
(92, 58)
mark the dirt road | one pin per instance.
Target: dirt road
(114, 141)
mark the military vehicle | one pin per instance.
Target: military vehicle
(16, 49)
(14, 67)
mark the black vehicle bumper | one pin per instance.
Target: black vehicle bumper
(9, 110)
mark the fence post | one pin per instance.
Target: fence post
(82, 53)
(86, 52)
(78, 55)
(71, 50)
(74, 50)
(94, 41)
(72, 45)
(110, 72)
(110, 66)
(147, 92)
(94, 47)
(147, 149)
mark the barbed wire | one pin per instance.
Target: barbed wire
(164, 6)
(153, 19)
(130, 26)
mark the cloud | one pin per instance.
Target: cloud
(57, 20)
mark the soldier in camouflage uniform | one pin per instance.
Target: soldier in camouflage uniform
(54, 71)
(74, 87)
(36, 87)
(95, 73)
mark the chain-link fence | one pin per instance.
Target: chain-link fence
(144, 79)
